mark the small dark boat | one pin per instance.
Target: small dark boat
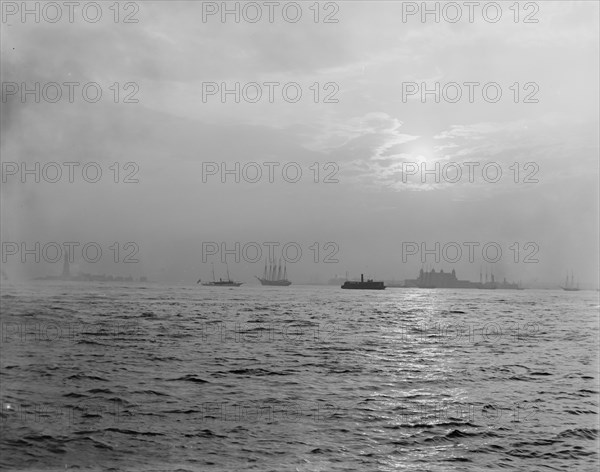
(362, 285)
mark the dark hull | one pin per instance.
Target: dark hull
(222, 284)
(570, 289)
(364, 285)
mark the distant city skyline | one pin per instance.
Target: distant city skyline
(486, 275)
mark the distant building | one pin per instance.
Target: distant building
(441, 279)
(84, 277)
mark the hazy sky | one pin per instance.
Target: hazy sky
(371, 134)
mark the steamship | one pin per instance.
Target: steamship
(362, 285)
(220, 282)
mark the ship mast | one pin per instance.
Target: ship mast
(66, 272)
(279, 270)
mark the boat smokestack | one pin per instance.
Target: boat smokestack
(362, 279)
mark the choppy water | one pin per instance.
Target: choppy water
(145, 377)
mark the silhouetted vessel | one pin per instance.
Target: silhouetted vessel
(570, 284)
(220, 282)
(273, 276)
(362, 285)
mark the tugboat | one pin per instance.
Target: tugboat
(220, 282)
(362, 285)
(273, 275)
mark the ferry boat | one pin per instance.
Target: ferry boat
(363, 285)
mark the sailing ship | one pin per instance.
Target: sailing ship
(273, 275)
(570, 284)
(364, 285)
(220, 282)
